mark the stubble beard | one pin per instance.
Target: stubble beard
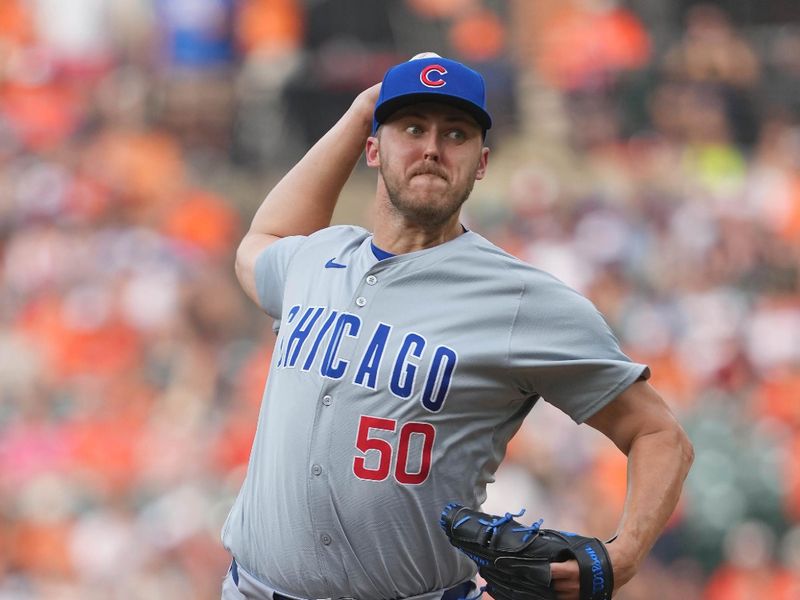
(428, 212)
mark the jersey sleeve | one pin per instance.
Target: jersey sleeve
(562, 349)
(271, 271)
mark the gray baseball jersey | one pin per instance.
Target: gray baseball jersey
(394, 388)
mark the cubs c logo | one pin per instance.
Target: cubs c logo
(431, 76)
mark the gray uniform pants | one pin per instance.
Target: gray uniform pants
(240, 585)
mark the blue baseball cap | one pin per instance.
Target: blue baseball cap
(432, 79)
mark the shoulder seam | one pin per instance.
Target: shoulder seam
(291, 260)
(492, 246)
(523, 289)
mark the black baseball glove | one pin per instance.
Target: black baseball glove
(515, 559)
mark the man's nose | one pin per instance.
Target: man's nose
(432, 151)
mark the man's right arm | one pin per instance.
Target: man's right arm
(303, 200)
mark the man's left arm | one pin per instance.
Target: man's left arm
(659, 455)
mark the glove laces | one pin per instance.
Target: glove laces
(495, 523)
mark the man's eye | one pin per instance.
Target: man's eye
(414, 129)
(456, 134)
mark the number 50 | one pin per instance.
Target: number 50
(365, 443)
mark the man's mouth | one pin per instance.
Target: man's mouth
(433, 173)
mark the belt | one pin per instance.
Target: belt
(458, 592)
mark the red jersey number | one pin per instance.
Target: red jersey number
(365, 442)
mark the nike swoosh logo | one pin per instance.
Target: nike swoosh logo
(332, 264)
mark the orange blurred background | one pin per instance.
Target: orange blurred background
(647, 153)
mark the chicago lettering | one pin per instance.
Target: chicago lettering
(313, 337)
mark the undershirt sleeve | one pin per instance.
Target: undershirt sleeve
(563, 350)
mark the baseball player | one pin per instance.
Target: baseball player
(407, 357)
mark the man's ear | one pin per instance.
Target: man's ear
(372, 154)
(482, 164)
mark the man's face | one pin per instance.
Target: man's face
(429, 156)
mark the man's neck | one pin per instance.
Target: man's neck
(398, 235)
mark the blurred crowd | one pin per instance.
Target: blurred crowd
(656, 169)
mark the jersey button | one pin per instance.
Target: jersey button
(316, 470)
(361, 301)
(326, 400)
(325, 539)
(371, 280)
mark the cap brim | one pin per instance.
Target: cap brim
(387, 108)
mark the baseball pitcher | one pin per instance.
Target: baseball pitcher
(406, 358)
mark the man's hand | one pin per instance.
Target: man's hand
(364, 105)
(566, 580)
